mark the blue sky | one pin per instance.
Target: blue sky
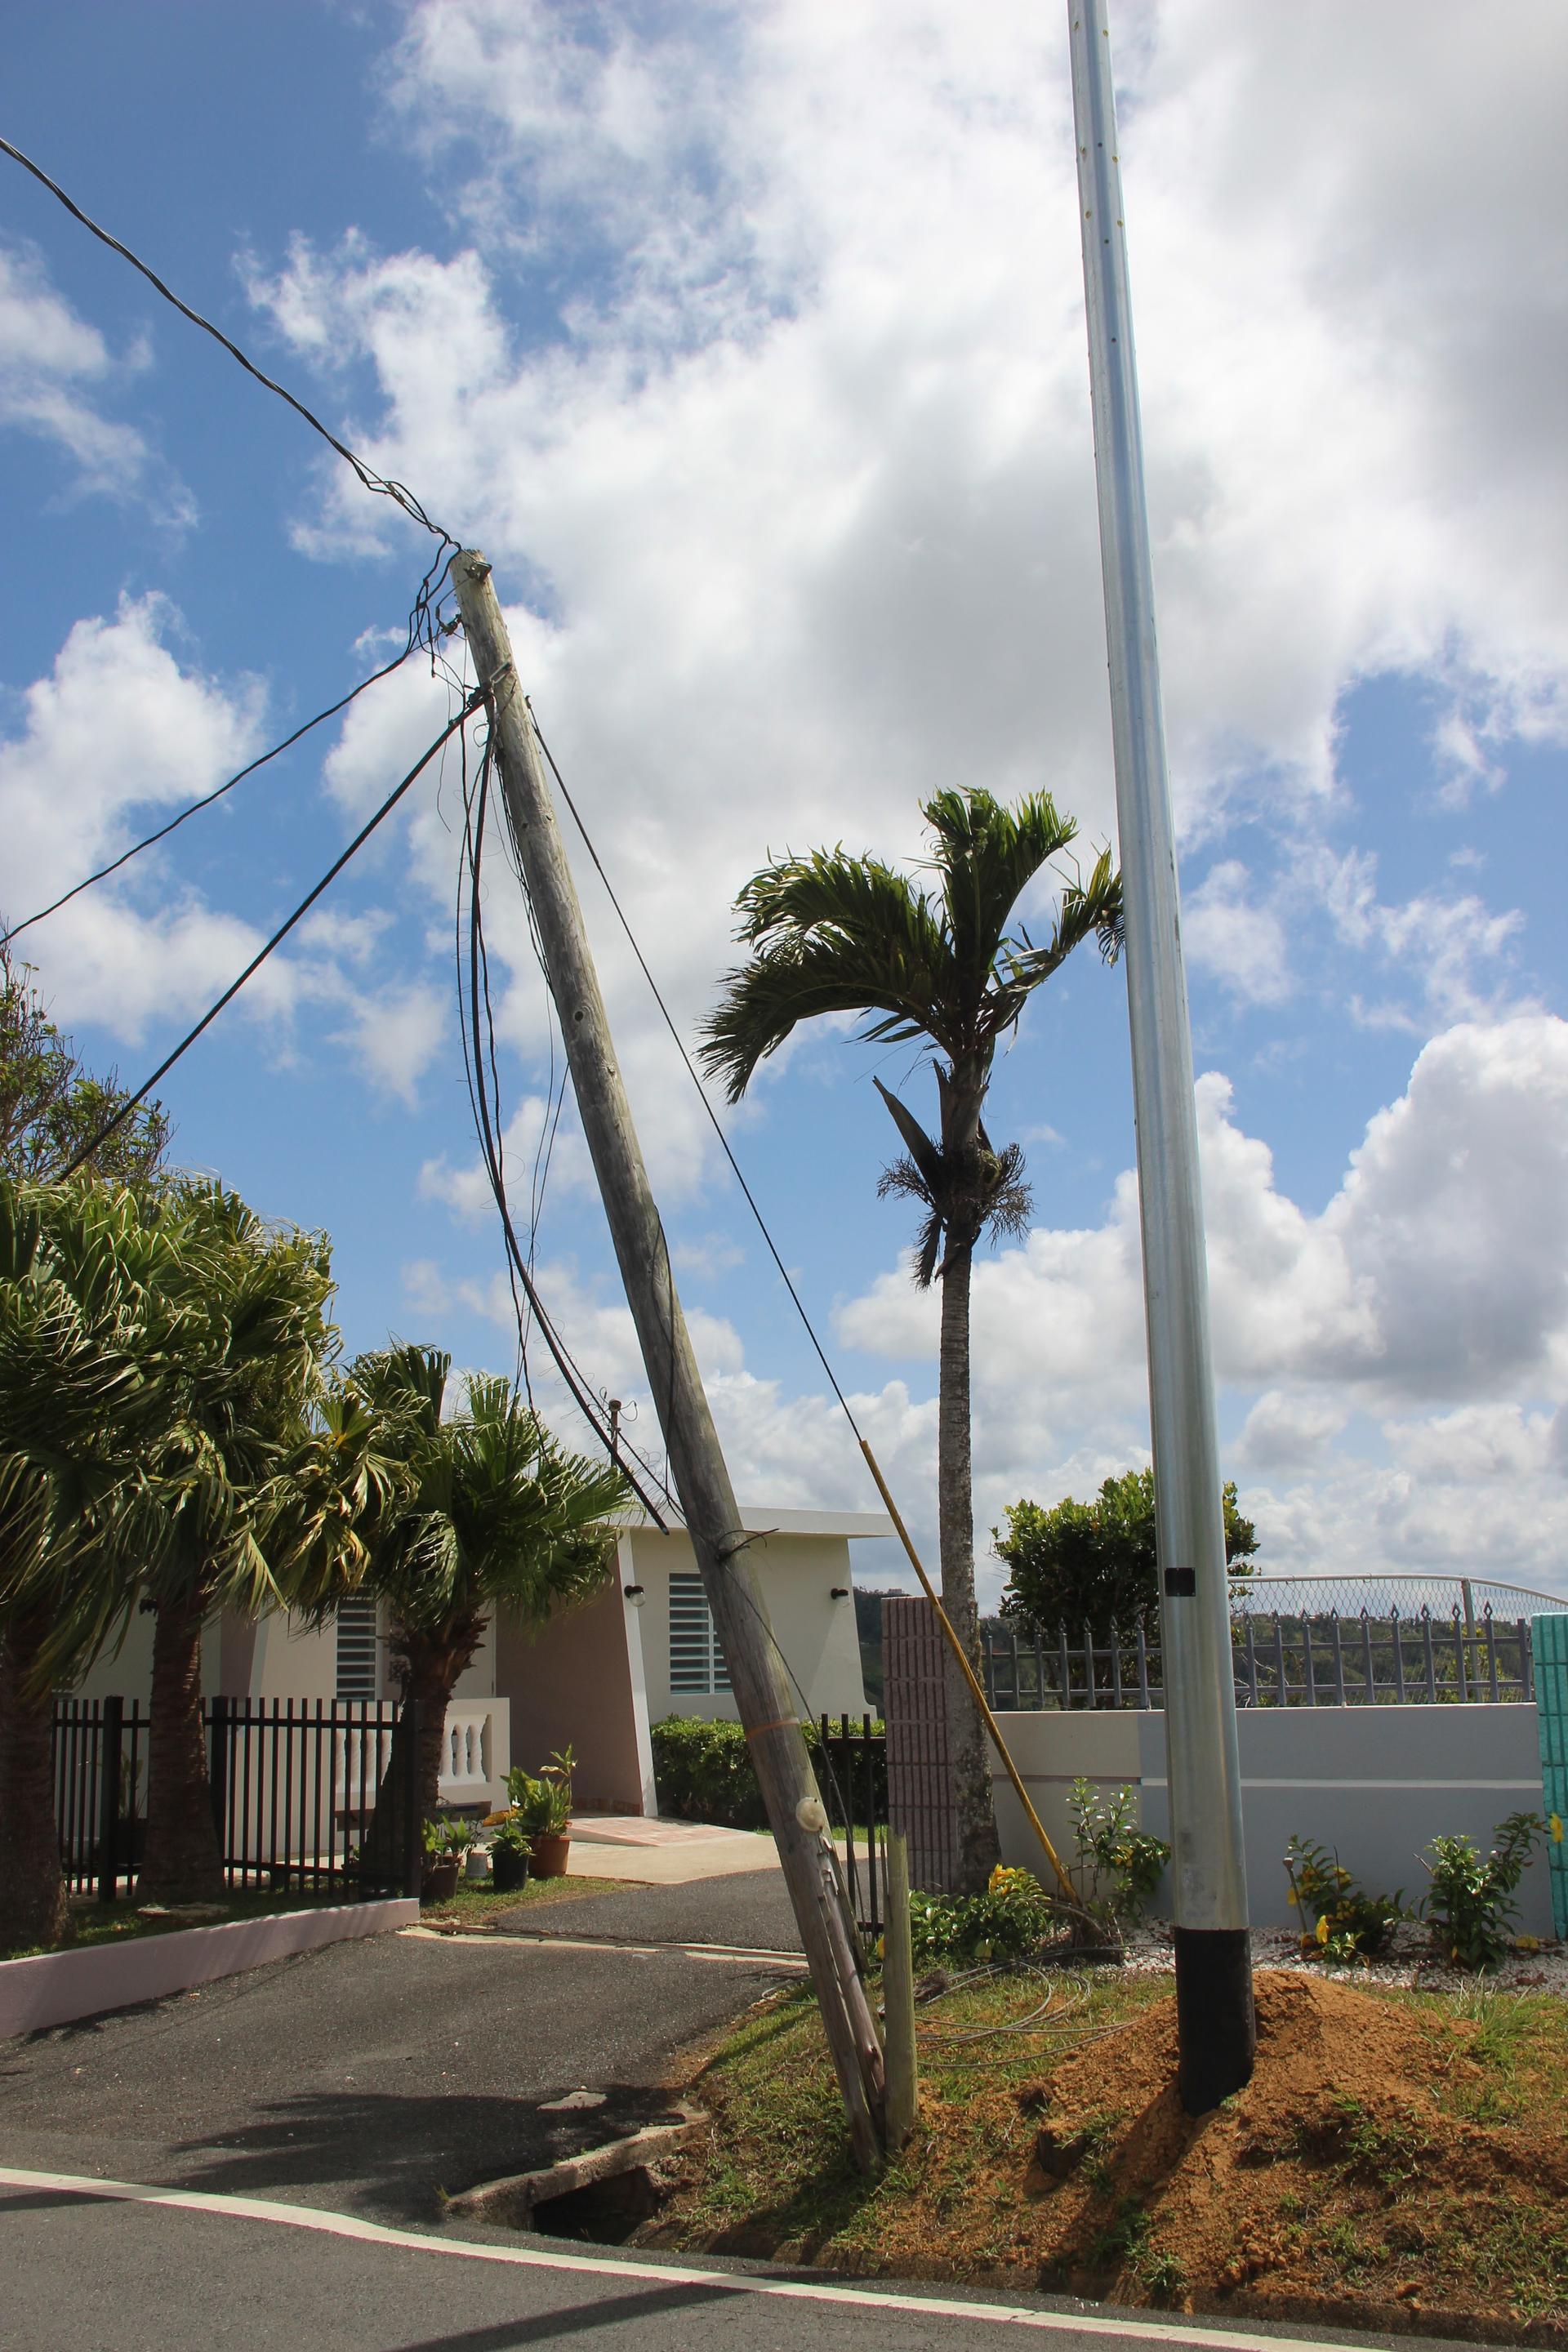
(748, 343)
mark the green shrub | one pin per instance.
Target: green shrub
(1340, 1920)
(1009, 1921)
(1469, 1904)
(1116, 1867)
(704, 1774)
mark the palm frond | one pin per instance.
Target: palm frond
(925, 1154)
(830, 934)
(987, 854)
(1088, 910)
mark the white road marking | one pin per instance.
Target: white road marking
(743, 1953)
(348, 2225)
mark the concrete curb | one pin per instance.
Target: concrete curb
(56, 1987)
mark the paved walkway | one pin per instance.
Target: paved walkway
(663, 1854)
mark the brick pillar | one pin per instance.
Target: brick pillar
(1548, 1648)
(919, 1765)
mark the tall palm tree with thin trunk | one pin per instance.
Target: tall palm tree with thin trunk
(953, 970)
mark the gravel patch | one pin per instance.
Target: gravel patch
(1409, 1962)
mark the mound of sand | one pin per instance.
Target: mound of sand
(1353, 2174)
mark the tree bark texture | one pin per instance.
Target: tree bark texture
(182, 1864)
(978, 1850)
(431, 1665)
(34, 1908)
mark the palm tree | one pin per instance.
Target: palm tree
(81, 1332)
(832, 933)
(246, 1368)
(488, 1511)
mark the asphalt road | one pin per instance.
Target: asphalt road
(371, 2076)
(83, 2274)
(750, 1910)
(306, 2117)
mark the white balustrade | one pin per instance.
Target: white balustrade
(475, 1760)
(477, 1752)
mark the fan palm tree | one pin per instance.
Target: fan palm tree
(485, 1511)
(84, 1336)
(953, 970)
(247, 1367)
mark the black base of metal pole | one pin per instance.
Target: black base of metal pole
(1216, 2028)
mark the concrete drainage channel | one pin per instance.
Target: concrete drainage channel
(600, 2196)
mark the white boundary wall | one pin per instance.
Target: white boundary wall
(1373, 1783)
(52, 1988)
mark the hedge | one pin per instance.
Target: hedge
(704, 1773)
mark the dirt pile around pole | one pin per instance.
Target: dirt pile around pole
(1399, 2160)
(1380, 2163)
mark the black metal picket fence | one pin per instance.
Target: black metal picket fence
(296, 1785)
(855, 1792)
(1323, 1659)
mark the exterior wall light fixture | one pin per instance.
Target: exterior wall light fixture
(838, 1592)
(636, 1593)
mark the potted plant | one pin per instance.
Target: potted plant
(542, 1803)
(447, 1846)
(509, 1856)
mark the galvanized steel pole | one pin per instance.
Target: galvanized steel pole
(1214, 1978)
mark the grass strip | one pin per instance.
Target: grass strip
(1400, 2159)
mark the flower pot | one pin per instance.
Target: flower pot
(509, 1868)
(547, 1855)
(439, 1883)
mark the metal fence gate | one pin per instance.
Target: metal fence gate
(296, 1787)
(1321, 1660)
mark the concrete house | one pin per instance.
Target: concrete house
(598, 1676)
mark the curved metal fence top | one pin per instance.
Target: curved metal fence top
(1379, 1596)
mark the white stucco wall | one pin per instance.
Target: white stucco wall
(278, 1657)
(816, 1633)
(1371, 1783)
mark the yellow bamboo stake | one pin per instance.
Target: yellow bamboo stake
(971, 1678)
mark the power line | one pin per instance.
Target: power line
(257, 960)
(208, 799)
(475, 1025)
(702, 1090)
(378, 484)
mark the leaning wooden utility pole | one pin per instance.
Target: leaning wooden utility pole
(774, 1735)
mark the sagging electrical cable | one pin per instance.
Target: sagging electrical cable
(378, 484)
(622, 1443)
(97, 1142)
(196, 807)
(488, 1123)
(949, 1630)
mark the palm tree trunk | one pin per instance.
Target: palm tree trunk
(978, 1851)
(431, 1677)
(34, 1908)
(431, 1665)
(182, 1864)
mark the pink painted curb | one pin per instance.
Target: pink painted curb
(55, 1986)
